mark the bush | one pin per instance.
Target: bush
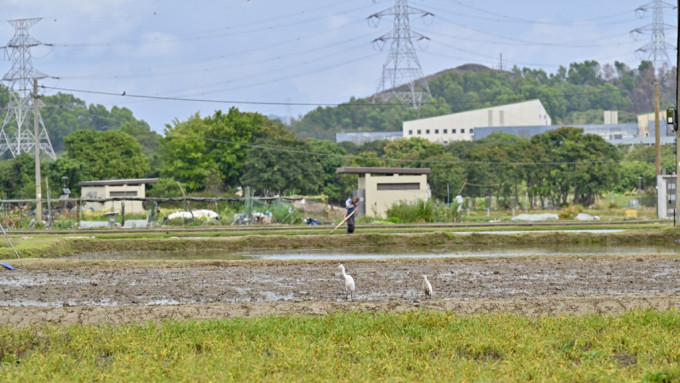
(570, 212)
(420, 212)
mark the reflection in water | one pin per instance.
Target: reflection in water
(459, 251)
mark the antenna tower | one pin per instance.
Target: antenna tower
(21, 100)
(656, 50)
(402, 68)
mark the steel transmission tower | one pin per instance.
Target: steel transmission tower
(656, 50)
(402, 69)
(20, 80)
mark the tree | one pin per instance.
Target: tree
(103, 155)
(330, 157)
(17, 177)
(282, 166)
(574, 163)
(212, 151)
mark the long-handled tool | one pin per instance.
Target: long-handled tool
(8, 240)
(343, 221)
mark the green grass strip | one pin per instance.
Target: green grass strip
(422, 346)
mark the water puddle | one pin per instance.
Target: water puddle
(370, 253)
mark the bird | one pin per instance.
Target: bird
(349, 282)
(427, 287)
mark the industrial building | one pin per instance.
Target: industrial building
(360, 138)
(462, 126)
(610, 133)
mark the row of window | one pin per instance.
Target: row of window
(436, 131)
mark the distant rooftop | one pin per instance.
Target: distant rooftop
(361, 170)
(132, 181)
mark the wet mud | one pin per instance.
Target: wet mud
(118, 295)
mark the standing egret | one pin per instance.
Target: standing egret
(427, 287)
(349, 282)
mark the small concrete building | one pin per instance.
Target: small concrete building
(665, 194)
(380, 188)
(115, 188)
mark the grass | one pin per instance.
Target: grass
(422, 346)
(231, 242)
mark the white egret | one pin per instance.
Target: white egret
(427, 287)
(349, 282)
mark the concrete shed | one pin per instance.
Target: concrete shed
(115, 188)
(380, 188)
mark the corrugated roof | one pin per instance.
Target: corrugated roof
(131, 181)
(362, 170)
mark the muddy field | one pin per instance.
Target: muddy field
(230, 289)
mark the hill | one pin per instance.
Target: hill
(577, 94)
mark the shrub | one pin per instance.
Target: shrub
(570, 212)
(420, 212)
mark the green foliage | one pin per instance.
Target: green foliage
(17, 177)
(93, 155)
(572, 95)
(166, 187)
(585, 166)
(211, 151)
(420, 212)
(282, 167)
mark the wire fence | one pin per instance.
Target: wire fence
(67, 213)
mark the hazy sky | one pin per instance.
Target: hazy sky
(285, 57)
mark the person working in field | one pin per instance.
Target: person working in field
(350, 211)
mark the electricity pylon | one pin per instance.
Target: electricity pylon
(21, 97)
(402, 76)
(656, 49)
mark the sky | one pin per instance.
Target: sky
(167, 60)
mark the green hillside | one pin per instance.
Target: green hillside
(574, 95)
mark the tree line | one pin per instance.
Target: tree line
(214, 155)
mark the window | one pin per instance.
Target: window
(418, 131)
(410, 132)
(446, 131)
(462, 130)
(453, 131)
(400, 186)
(436, 131)
(472, 131)
(129, 193)
(427, 131)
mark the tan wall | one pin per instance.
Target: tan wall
(645, 119)
(378, 201)
(133, 207)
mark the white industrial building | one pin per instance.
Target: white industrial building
(461, 126)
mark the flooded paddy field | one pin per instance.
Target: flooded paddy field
(465, 280)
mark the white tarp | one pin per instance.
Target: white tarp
(201, 213)
(535, 217)
(586, 217)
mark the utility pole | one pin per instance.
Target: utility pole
(677, 131)
(36, 135)
(657, 128)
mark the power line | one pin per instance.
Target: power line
(250, 102)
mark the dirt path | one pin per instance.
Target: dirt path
(532, 287)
